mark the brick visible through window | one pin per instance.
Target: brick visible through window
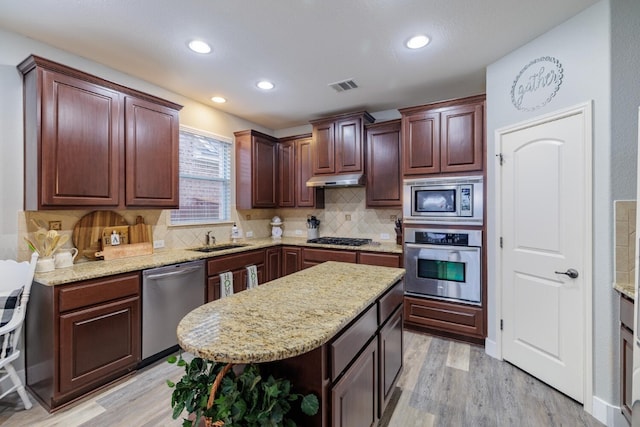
(205, 178)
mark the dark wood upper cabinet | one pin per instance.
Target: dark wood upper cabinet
(294, 169)
(337, 143)
(384, 174)
(287, 174)
(443, 137)
(256, 170)
(152, 147)
(76, 134)
(462, 138)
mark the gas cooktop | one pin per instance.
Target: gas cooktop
(342, 241)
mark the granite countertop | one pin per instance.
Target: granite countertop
(96, 269)
(627, 289)
(286, 317)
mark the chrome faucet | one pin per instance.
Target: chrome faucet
(210, 240)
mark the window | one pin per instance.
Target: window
(205, 178)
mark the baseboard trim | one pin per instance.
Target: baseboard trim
(608, 414)
(491, 349)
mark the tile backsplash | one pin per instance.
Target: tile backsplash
(625, 241)
(345, 214)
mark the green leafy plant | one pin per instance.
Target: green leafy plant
(244, 400)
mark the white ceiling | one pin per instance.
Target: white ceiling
(301, 45)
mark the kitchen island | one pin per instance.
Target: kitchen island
(334, 330)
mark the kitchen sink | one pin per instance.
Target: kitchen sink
(219, 247)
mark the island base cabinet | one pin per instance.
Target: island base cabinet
(97, 344)
(390, 353)
(354, 398)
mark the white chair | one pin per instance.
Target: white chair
(15, 286)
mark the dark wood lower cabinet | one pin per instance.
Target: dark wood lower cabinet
(441, 316)
(291, 259)
(626, 355)
(81, 336)
(273, 263)
(98, 342)
(313, 257)
(391, 354)
(354, 398)
(237, 264)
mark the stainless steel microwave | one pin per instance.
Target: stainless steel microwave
(451, 200)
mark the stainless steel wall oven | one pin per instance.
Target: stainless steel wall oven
(444, 264)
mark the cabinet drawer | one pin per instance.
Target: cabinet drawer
(98, 291)
(235, 261)
(352, 340)
(383, 260)
(390, 301)
(322, 255)
(626, 312)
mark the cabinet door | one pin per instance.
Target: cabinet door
(273, 263)
(355, 397)
(349, 154)
(384, 176)
(323, 148)
(462, 138)
(152, 154)
(626, 371)
(80, 144)
(291, 260)
(390, 351)
(98, 343)
(287, 174)
(264, 163)
(444, 316)
(421, 143)
(305, 196)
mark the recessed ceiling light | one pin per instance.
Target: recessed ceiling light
(199, 46)
(265, 85)
(218, 99)
(416, 42)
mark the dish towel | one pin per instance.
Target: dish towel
(252, 277)
(226, 284)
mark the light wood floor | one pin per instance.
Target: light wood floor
(444, 383)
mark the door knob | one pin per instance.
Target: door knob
(573, 273)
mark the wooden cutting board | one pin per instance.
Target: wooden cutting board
(87, 233)
(140, 232)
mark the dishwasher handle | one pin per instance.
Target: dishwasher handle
(181, 272)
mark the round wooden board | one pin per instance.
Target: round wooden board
(87, 233)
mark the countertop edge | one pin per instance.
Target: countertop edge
(97, 269)
(626, 289)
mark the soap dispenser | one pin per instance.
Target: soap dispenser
(235, 233)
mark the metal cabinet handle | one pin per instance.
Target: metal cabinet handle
(573, 273)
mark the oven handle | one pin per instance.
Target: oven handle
(443, 247)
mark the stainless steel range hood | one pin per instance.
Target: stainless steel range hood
(342, 180)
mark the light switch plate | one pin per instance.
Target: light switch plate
(249, 233)
(384, 236)
(298, 232)
(157, 244)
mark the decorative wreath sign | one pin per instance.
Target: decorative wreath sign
(537, 83)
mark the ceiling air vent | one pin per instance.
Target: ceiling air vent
(344, 85)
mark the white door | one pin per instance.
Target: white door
(545, 230)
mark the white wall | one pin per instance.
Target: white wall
(583, 46)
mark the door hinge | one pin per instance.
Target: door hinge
(501, 324)
(501, 242)
(500, 158)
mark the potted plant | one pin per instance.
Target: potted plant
(217, 394)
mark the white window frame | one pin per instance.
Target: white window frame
(226, 205)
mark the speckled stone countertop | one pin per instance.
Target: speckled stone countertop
(95, 269)
(627, 289)
(286, 317)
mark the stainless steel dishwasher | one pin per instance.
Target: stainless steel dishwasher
(168, 294)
